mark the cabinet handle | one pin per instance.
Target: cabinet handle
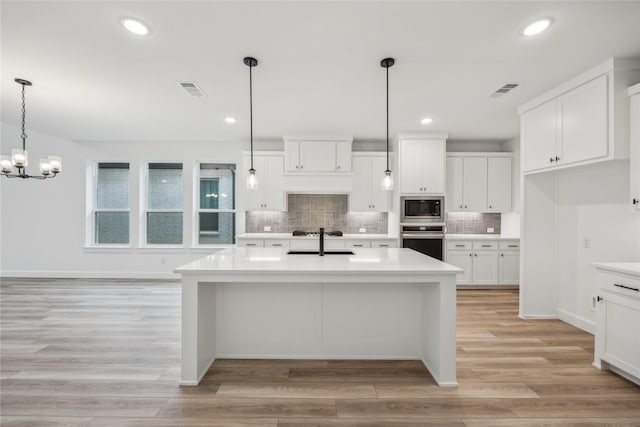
(490, 207)
(550, 159)
(465, 206)
(301, 166)
(383, 246)
(513, 246)
(276, 244)
(338, 167)
(475, 254)
(599, 298)
(297, 166)
(373, 206)
(486, 246)
(459, 246)
(357, 246)
(635, 201)
(627, 287)
(470, 254)
(557, 158)
(501, 254)
(460, 206)
(251, 244)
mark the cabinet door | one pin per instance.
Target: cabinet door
(617, 340)
(292, 156)
(432, 165)
(343, 156)
(411, 167)
(474, 184)
(380, 199)
(317, 156)
(634, 151)
(251, 243)
(585, 122)
(273, 185)
(360, 196)
(485, 268)
(453, 201)
(254, 199)
(509, 268)
(499, 184)
(463, 260)
(539, 132)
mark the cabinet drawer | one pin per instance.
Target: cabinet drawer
(303, 243)
(384, 244)
(259, 243)
(485, 245)
(509, 246)
(619, 283)
(458, 244)
(357, 244)
(276, 243)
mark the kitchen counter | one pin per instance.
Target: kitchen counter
(631, 268)
(479, 237)
(252, 302)
(290, 236)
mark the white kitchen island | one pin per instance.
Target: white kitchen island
(262, 303)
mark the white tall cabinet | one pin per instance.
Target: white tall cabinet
(367, 194)
(422, 163)
(634, 155)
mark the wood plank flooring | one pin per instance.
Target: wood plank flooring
(107, 353)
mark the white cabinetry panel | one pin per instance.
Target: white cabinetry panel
(422, 165)
(499, 184)
(474, 183)
(539, 133)
(367, 195)
(634, 149)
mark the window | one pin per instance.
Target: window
(111, 213)
(216, 209)
(164, 204)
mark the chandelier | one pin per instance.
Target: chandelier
(19, 159)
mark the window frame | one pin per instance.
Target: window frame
(144, 208)
(195, 235)
(92, 208)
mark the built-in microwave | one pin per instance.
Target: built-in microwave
(422, 209)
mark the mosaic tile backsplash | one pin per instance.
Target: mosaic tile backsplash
(472, 223)
(312, 211)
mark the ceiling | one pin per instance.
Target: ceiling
(319, 66)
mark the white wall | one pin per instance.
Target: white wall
(42, 223)
(593, 210)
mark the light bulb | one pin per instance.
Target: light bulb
(135, 26)
(55, 163)
(45, 167)
(537, 27)
(387, 181)
(19, 158)
(252, 180)
(5, 163)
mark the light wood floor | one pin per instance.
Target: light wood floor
(106, 353)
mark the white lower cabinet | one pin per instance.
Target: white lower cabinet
(258, 243)
(485, 262)
(313, 244)
(617, 341)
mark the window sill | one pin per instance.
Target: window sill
(161, 248)
(108, 248)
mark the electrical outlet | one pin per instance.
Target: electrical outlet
(489, 229)
(162, 260)
(586, 242)
(362, 230)
(267, 228)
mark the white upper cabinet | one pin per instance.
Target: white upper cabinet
(317, 155)
(478, 182)
(422, 164)
(367, 195)
(634, 197)
(582, 121)
(269, 196)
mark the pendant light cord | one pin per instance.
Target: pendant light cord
(387, 118)
(251, 111)
(24, 113)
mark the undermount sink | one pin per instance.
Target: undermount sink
(318, 253)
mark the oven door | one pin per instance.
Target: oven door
(430, 245)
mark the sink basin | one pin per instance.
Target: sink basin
(318, 252)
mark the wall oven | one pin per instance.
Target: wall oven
(426, 239)
(421, 209)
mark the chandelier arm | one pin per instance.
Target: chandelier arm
(24, 114)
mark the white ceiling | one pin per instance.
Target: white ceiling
(319, 66)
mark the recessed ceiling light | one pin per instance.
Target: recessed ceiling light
(537, 27)
(230, 120)
(426, 120)
(135, 26)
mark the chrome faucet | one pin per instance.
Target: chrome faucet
(321, 236)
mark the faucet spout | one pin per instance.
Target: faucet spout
(321, 237)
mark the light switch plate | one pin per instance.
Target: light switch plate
(362, 230)
(489, 229)
(267, 228)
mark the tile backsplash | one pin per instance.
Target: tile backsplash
(472, 222)
(312, 211)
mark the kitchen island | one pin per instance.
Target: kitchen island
(379, 303)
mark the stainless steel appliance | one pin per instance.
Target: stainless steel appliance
(421, 209)
(426, 238)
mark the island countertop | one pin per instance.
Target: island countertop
(276, 260)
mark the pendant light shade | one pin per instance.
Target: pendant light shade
(252, 179)
(387, 178)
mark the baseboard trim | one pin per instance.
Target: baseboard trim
(577, 321)
(7, 274)
(538, 316)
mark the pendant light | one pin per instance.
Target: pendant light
(19, 159)
(252, 180)
(387, 179)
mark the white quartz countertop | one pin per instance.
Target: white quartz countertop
(290, 236)
(479, 237)
(632, 268)
(276, 260)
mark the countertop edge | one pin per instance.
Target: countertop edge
(630, 268)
